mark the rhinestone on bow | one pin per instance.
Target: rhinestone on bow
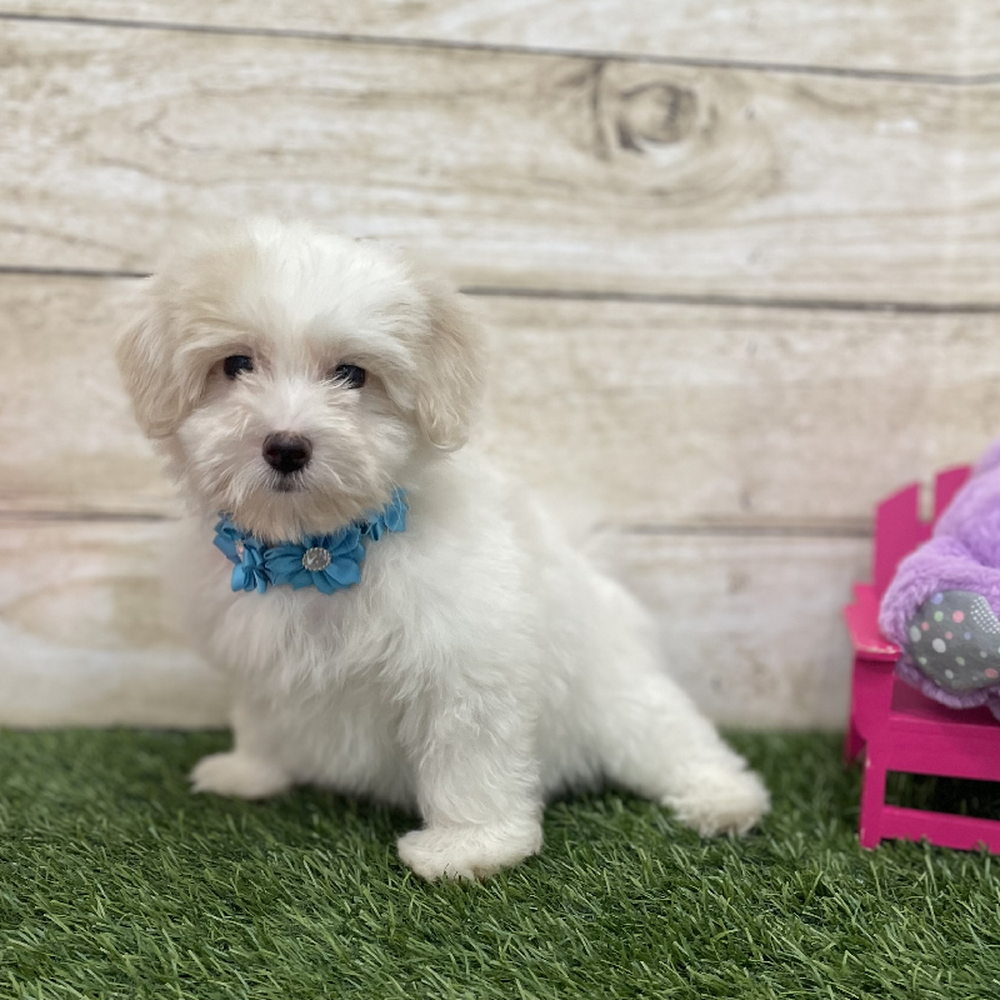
(316, 559)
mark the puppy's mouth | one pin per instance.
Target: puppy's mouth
(291, 483)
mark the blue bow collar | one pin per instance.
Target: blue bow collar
(327, 562)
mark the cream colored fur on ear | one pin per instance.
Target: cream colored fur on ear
(145, 354)
(452, 369)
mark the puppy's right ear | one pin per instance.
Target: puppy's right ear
(145, 355)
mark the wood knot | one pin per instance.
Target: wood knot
(655, 114)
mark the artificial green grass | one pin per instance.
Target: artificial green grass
(115, 881)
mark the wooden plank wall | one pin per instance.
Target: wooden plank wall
(738, 262)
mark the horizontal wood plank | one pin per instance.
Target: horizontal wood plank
(750, 626)
(83, 635)
(639, 413)
(508, 169)
(894, 35)
(70, 441)
(699, 414)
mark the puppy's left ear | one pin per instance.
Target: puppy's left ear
(452, 372)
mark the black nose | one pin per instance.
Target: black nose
(287, 452)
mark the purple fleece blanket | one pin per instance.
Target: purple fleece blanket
(943, 606)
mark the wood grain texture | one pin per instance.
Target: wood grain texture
(749, 626)
(508, 169)
(739, 447)
(83, 637)
(646, 413)
(895, 35)
(70, 441)
(779, 419)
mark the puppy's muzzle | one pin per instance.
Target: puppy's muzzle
(287, 453)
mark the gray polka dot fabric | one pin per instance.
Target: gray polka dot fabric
(954, 639)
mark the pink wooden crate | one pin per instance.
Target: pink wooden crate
(897, 727)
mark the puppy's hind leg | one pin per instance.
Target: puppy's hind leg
(655, 742)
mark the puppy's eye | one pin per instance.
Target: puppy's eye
(349, 376)
(237, 363)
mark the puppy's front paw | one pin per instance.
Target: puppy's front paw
(469, 852)
(721, 800)
(238, 775)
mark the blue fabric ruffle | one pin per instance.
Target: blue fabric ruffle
(329, 562)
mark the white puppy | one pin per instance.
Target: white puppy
(466, 663)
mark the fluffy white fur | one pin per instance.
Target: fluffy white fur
(481, 665)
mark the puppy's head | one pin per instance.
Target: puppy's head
(297, 377)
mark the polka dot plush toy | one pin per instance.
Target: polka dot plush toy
(943, 606)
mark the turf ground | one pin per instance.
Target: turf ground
(116, 882)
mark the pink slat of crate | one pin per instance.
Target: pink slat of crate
(897, 727)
